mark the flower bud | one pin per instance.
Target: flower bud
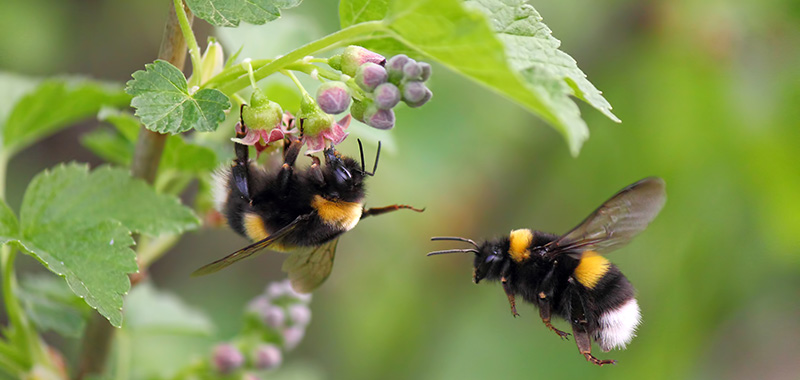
(274, 317)
(227, 358)
(355, 56)
(412, 71)
(394, 66)
(267, 356)
(335, 62)
(314, 119)
(292, 337)
(425, 98)
(299, 314)
(370, 75)
(333, 97)
(426, 70)
(357, 109)
(261, 113)
(211, 63)
(414, 92)
(386, 96)
(378, 118)
(277, 289)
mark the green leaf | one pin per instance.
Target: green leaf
(9, 227)
(164, 104)
(52, 105)
(52, 306)
(78, 224)
(173, 315)
(513, 54)
(231, 12)
(110, 146)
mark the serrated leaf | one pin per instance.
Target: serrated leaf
(52, 306)
(232, 12)
(173, 315)
(501, 44)
(164, 104)
(52, 105)
(78, 224)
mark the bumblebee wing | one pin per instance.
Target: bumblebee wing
(308, 267)
(617, 220)
(248, 251)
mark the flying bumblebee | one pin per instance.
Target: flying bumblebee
(567, 276)
(299, 211)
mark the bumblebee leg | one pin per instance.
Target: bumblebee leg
(545, 309)
(510, 295)
(241, 165)
(316, 171)
(290, 154)
(584, 343)
(382, 210)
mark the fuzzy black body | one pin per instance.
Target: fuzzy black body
(303, 211)
(567, 276)
(278, 198)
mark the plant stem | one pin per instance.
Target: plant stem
(149, 147)
(296, 82)
(188, 36)
(307, 49)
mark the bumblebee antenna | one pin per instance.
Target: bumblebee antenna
(454, 238)
(377, 156)
(466, 250)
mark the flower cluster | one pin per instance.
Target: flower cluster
(275, 323)
(369, 86)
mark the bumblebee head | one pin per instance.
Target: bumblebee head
(489, 257)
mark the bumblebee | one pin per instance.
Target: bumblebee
(289, 210)
(566, 275)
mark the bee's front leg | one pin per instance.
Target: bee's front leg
(290, 154)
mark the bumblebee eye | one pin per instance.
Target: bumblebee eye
(342, 175)
(491, 258)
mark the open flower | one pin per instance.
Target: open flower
(261, 138)
(335, 133)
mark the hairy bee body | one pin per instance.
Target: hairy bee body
(567, 276)
(589, 283)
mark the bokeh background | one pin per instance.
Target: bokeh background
(709, 95)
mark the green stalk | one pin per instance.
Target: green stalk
(191, 42)
(307, 49)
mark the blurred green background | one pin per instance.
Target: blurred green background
(709, 95)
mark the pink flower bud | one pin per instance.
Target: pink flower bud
(227, 358)
(394, 66)
(370, 75)
(355, 56)
(378, 118)
(412, 70)
(333, 97)
(292, 337)
(267, 356)
(274, 317)
(414, 92)
(386, 96)
(299, 314)
(426, 70)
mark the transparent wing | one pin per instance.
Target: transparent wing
(250, 250)
(308, 267)
(617, 221)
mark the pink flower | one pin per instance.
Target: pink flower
(336, 133)
(261, 138)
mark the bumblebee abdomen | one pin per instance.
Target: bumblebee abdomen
(614, 313)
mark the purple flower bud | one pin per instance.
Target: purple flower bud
(426, 70)
(267, 356)
(355, 56)
(428, 95)
(276, 289)
(387, 96)
(333, 97)
(274, 317)
(370, 75)
(394, 66)
(357, 109)
(227, 358)
(299, 314)
(413, 92)
(412, 71)
(378, 118)
(292, 337)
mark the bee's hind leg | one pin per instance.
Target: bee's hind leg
(382, 210)
(584, 343)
